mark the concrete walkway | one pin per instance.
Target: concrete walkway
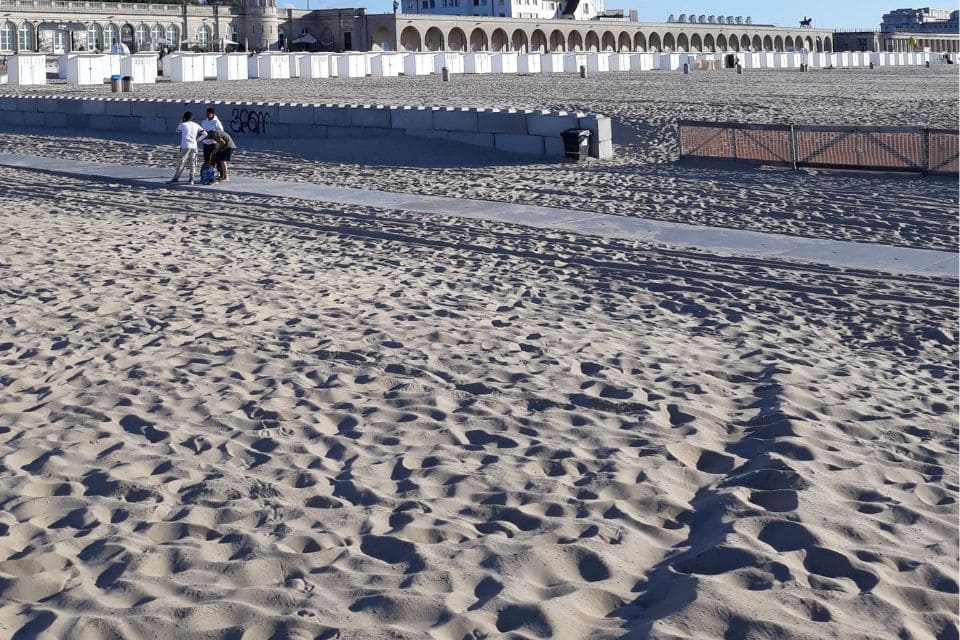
(720, 240)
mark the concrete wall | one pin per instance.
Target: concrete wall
(534, 133)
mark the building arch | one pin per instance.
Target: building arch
(380, 40)
(518, 41)
(95, 36)
(410, 39)
(456, 40)
(788, 43)
(778, 44)
(828, 44)
(574, 41)
(204, 36)
(173, 36)
(639, 42)
(624, 43)
(499, 40)
(8, 34)
(654, 43)
(767, 44)
(557, 41)
(818, 45)
(157, 35)
(591, 42)
(808, 43)
(744, 42)
(433, 39)
(127, 36)
(709, 44)
(141, 36)
(111, 36)
(538, 41)
(696, 43)
(757, 43)
(608, 42)
(478, 40)
(669, 42)
(721, 44)
(683, 43)
(25, 39)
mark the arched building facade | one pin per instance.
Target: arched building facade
(57, 26)
(410, 33)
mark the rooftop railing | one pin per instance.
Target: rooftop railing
(86, 6)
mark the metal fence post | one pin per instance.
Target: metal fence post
(794, 152)
(925, 149)
(733, 142)
(680, 138)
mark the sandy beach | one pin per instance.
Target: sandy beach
(228, 417)
(642, 180)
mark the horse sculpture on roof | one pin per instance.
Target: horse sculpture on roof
(806, 22)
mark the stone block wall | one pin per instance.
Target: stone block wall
(535, 133)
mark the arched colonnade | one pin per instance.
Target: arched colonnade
(551, 39)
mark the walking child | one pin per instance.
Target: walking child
(190, 134)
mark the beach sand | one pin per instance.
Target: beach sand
(641, 181)
(227, 417)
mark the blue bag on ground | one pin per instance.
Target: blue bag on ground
(208, 175)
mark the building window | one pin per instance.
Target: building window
(156, 35)
(109, 36)
(25, 37)
(203, 36)
(142, 36)
(173, 36)
(6, 37)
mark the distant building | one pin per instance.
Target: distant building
(533, 9)
(59, 26)
(936, 30)
(924, 20)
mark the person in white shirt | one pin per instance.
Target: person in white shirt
(211, 123)
(190, 134)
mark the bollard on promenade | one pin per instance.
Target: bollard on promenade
(445, 74)
(739, 69)
(583, 71)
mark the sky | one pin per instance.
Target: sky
(825, 13)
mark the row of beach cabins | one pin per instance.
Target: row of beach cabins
(81, 69)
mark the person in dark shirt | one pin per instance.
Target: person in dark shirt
(222, 153)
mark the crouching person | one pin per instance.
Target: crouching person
(223, 152)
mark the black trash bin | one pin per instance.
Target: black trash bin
(127, 84)
(576, 144)
(115, 84)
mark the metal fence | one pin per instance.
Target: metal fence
(879, 148)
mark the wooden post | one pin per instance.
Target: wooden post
(794, 152)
